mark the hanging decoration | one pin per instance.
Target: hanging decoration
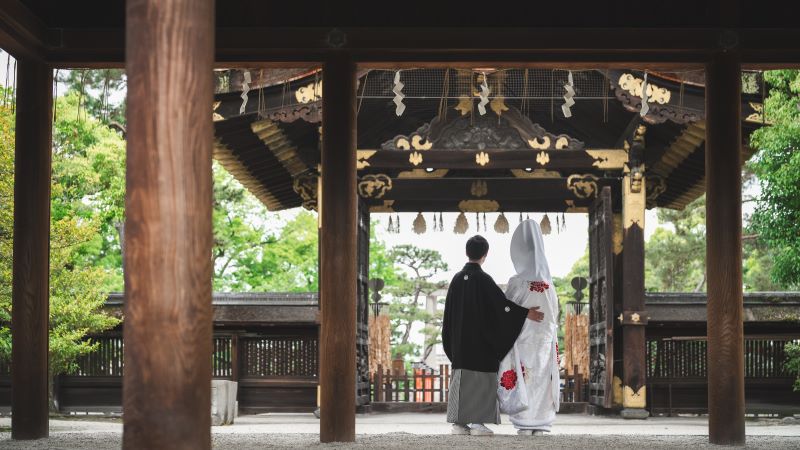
(568, 97)
(397, 223)
(390, 228)
(484, 222)
(558, 224)
(398, 95)
(245, 90)
(545, 224)
(484, 95)
(441, 222)
(477, 222)
(419, 224)
(501, 224)
(645, 97)
(563, 222)
(461, 225)
(520, 217)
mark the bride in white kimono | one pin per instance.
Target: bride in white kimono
(537, 343)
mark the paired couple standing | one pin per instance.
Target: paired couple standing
(484, 327)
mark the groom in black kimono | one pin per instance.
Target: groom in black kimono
(480, 326)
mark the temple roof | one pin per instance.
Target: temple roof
(272, 147)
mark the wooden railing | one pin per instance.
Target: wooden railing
(573, 387)
(422, 385)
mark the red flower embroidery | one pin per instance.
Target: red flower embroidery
(539, 286)
(558, 357)
(509, 379)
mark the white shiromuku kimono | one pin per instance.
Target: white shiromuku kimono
(532, 286)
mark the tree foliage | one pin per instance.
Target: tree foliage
(409, 289)
(776, 219)
(76, 285)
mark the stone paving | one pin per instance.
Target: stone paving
(427, 431)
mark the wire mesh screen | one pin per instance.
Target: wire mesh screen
(508, 83)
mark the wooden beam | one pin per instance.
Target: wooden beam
(22, 33)
(338, 252)
(724, 251)
(490, 189)
(574, 160)
(168, 315)
(437, 205)
(408, 47)
(31, 265)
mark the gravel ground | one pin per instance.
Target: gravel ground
(406, 440)
(409, 430)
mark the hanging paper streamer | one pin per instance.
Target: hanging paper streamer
(441, 222)
(398, 95)
(419, 224)
(520, 217)
(545, 225)
(245, 90)
(390, 228)
(568, 97)
(558, 224)
(397, 223)
(484, 95)
(501, 224)
(461, 225)
(645, 106)
(484, 222)
(563, 222)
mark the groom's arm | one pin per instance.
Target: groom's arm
(499, 296)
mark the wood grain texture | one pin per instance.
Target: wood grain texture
(168, 315)
(31, 265)
(724, 251)
(338, 252)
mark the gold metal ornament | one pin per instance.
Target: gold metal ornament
(608, 159)
(478, 205)
(633, 86)
(482, 158)
(479, 188)
(582, 185)
(461, 225)
(542, 158)
(535, 144)
(501, 224)
(362, 158)
(419, 224)
(386, 207)
(374, 186)
(309, 93)
(535, 173)
(562, 143)
(415, 158)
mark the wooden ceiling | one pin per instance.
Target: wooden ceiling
(85, 33)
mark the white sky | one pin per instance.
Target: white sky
(562, 249)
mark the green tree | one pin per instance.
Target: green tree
(101, 93)
(776, 219)
(408, 296)
(675, 258)
(793, 363)
(76, 289)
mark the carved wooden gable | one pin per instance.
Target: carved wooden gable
(509, 131)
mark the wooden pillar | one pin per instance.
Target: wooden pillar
(724, 251)
(633, 317)
(31, 265)
(168, 316)
(338, 251)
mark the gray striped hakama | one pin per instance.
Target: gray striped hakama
(473, 398)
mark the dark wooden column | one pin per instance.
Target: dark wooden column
(168, 317)
(724, 251)
(338, 251)
(31, 265)
(633, 317)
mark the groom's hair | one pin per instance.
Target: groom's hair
(477, 247)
